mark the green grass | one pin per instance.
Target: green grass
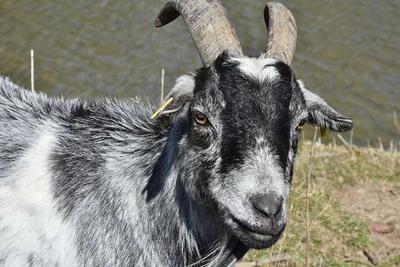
(337, 237)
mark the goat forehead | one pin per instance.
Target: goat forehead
(248, 80)
(257, 89)
(253, 120)
(258, 68)
(256, 105)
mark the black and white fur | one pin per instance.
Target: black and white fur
(98, 183)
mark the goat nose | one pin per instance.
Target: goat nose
(269, 204)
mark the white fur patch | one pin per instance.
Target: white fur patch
(258, 68)
(31, 229)
(260, 174)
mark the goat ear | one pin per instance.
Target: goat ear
(181, 94)
(321, 114)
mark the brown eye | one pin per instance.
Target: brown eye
(300, 125)
(200, 119)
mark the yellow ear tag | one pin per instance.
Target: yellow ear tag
(323, 131)
(162, 107)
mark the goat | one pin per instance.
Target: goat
(98, 183)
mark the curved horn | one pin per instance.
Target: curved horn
(208, 23)
(282, 32)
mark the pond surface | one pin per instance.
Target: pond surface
(348, 51)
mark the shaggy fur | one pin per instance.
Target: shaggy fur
(98, 183)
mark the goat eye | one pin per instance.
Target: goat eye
(300, 125)
(201, 119)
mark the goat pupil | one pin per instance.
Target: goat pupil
(201, 119)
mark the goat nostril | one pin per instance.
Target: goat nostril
(269, 204)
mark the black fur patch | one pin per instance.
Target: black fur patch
(165, 161)
(253, 109)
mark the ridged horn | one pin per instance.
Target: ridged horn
(282, 32)
(208, 23)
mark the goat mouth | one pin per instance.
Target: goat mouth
(252, 237)
(246, 227)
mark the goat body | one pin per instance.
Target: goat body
(97, 183)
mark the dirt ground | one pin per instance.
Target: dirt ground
(379, 206)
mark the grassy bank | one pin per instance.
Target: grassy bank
(353, 191)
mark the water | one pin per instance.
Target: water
(348, 51)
